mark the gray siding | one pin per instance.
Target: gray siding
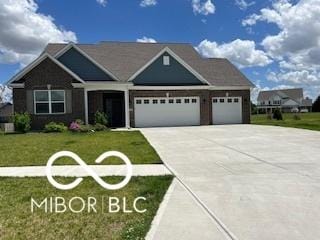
(158, 74)
(82, 66)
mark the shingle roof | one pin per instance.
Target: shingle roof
(294, 93)
(123, 59)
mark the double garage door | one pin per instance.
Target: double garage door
(184, 111)
(162, 112)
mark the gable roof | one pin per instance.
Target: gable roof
(295, 93)
(36, 62)
(124, 59)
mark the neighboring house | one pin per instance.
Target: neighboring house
(136, 84)
(284, 99)
(6, 111)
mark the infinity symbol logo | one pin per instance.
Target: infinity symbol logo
(92, 173)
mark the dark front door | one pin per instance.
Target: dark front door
(114, 108)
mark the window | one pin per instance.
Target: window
(236, 100)
(146, 101)
(229, 100)
(194, 100)
(138, 101)
(186, 100)
(178, 100)
(155, 101)
(166, 60)
(221, 100)
(214, 100)
(162, 101)
(49, 101)
(171, 101)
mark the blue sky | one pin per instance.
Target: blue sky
(216, 28)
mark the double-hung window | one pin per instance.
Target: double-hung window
(49, 101)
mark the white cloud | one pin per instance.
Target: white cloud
(5, 94)
(241, 52)
(148, 3)
(204, 8)
(102, 2)
(299, 30)
(295, 77)
(146, 40)
(24, 31)
(243, 4)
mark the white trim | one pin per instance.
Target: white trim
(17, 85)
(126, 107)
(176, 57)
(86, 109)
(72, 45)
(189, 88)
(49, 102)
(36, 62)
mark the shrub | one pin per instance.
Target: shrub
(79, 121)
(22, 122)
(86, 128)
(296, 117)
(277, 114)
(55, 127)
(99, 127)
(101, 118)
(74, 127)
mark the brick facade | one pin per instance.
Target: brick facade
(48, 73)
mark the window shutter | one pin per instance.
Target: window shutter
(68, 101)
(30, 103)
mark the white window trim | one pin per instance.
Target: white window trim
(49, 102)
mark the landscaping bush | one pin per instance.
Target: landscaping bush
(74, 127)
(101, 118)
(86, 128)
(22, 122)
(99, 127)
(277, 114)
(54, 127)
(296, 117)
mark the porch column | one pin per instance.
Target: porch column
(126, 100)
(86, 116)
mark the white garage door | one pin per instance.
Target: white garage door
(162, 112)
(226, 110)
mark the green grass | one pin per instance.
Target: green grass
(309, 121)
(35, 148)
(17, 221)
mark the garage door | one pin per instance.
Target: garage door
(161, 112)
(226, 110)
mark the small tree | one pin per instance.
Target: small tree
(277, 114)
(101, 118)
(316, 105)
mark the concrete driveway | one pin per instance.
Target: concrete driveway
(260, 182)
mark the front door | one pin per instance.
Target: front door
(115, 109)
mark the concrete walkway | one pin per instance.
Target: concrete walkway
(78, 171)
(261, 182)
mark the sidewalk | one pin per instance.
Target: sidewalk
(181, 217)
(78, 171)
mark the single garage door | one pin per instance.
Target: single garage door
(163, 112)
(226, 110)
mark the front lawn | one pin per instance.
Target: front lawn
(308, 121)
(36, 148)
(18, 222)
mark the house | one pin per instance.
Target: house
(136, 84)
(6, 111)
(285, 99)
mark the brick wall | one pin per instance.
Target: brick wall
(48, 73)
